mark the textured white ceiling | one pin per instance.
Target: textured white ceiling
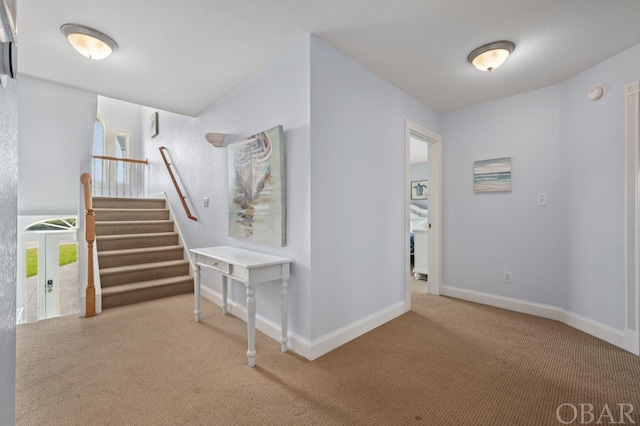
(183, 55)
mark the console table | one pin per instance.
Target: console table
(250, 268)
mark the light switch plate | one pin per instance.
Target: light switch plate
(542, 199)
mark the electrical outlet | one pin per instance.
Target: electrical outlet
(206, 201)
(507, 277)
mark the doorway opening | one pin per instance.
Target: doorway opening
(423, 208)
(48, 270)
(419, 210)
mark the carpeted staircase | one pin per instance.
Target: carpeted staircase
(139, 255)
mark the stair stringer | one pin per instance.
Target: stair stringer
(176, 225)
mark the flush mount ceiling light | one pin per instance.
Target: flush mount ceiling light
(490, 56)
(91, 43)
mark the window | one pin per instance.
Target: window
(111, 142)
(61, 224)
(98, 148)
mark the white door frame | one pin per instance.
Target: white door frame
(434, 171)
(632, 141)
(48, 268)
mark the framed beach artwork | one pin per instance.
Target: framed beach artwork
(419, 190)
(257, 187)
(492, 175)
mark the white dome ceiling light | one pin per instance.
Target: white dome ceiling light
(89, 42)
(490, 56)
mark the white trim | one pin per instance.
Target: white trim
(632, 341)
(341, 336)
(310, 349)
(434, 160)
(632, 212)
(626, 339)
(176, 225)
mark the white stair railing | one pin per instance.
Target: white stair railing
(118, 177)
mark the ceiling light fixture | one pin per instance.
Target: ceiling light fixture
(89, 42)
(490, 56)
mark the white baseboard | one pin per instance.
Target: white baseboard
(632, 341)
(311, 349)
(627, 339)
(337, 338)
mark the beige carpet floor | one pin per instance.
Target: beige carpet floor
(448, 362)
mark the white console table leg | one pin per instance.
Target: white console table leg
(251, 324)
(283, 313)
(196, 291)
(224, 295)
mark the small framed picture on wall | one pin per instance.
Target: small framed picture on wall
(154, 124)
(419, 190)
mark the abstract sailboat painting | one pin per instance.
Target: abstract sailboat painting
(257, 187)
(492, 175)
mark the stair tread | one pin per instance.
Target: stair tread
(150, 234)
(122, 288)
(121, 209)
(142, 266)
(125, 252)
(132, 222)
(128, 198)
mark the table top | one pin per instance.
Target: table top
(241, 257)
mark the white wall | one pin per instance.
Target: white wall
(358, 185)
(593, 152)
(489, 233)
(344, 152)
(569, 254)
(56, 126)
(8, 250)
(278, 94)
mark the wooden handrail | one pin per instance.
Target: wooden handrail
(175, 183)
(90, 226)
(124, 160)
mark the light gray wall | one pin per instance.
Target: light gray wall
(338, 168)
(56, 127)
(593, 153)
(569, 254)
(489, 233)
(8, 250)
(358, 184)
(276, 95)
